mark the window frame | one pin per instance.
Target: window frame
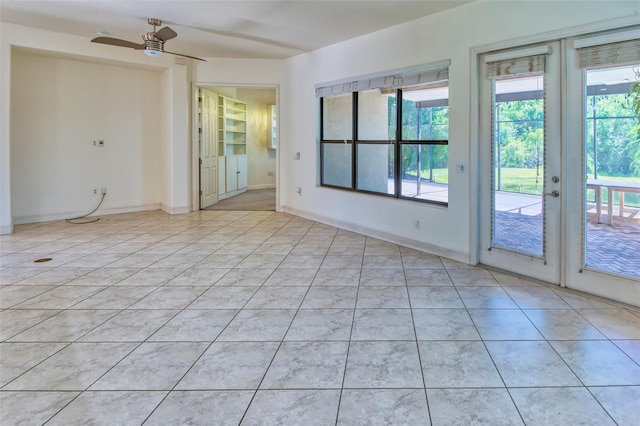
(397, 144)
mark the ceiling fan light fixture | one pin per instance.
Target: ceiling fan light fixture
(153, 53)
(153, 47)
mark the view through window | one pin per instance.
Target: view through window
(388, 141)
(518, 159)
(612, 169)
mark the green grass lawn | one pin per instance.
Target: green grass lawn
(524, 182)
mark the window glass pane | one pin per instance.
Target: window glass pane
(337, 117)
(519, 153)
(425, 114)
(425, 172)
(612, 150)
(375, 167)
(518, 164)
(336, 164)
(376, 115)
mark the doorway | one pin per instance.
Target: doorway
(521, 212)
(551, 119)
(235, 140)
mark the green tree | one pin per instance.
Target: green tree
(610, 123)
(633, 104)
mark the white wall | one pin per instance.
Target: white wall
(58, 107)
(174, 144)
(449, 35)
(261, 159)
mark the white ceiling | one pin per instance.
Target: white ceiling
(229, 29)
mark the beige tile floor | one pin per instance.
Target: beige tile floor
(265, 318)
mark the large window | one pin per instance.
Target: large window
(388, 135)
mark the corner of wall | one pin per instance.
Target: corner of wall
(8, 229)
(175, 210)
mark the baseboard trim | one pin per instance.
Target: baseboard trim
(175, 210)
(8, 229)
(370, 232)
(264, 186)
(22, 220)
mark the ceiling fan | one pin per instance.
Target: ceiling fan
(154, 41)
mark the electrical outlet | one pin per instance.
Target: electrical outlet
(460, 168)
(103, 190)
(97, 143)
(298, 190)
(95, 191)
(296, 156)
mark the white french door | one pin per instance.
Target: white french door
(551, 117)
(521, 159)
(207, 143)
(600, 71)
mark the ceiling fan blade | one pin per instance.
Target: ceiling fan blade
(165, 34)
(118, 42)
(186, 56)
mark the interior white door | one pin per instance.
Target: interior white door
(520, 153)
(222, 175)
(232, 172)
(208, 155)
(242, 171)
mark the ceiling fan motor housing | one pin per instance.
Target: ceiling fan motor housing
(152, 43)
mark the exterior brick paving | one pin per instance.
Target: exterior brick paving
(613, 249)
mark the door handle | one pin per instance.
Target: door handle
(554, 194)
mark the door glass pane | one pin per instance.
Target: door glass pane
(612, 168)
(518, 164)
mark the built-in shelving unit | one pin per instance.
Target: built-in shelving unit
(232, 147)
(232, 126)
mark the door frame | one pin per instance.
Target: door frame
(195, 146)
(568, 233)
(545, 266)
(578, 275)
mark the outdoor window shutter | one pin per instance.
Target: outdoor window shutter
(433, 73)
(513, 67)
(620, 53)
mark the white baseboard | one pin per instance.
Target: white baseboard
(21, 220)
(175, 210)
(263, 186)
(370, 232)
(8, 229)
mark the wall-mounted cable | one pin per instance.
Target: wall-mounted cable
(88, 214)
